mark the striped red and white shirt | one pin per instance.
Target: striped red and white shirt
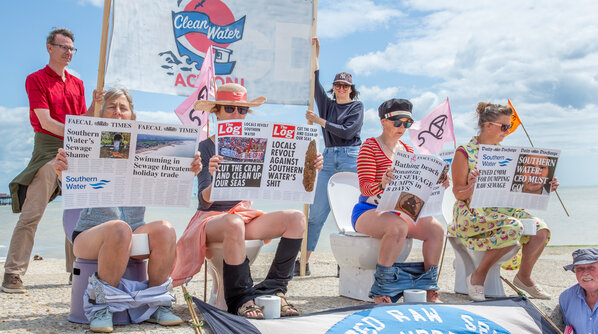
(371, 165)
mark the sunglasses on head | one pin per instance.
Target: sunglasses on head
(503, 127)
(231, 109)
(397, 123)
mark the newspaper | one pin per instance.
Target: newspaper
(514, 177)
(433, 207)
(115, 162)
(265, 161)
(415, 177)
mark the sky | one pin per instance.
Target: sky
(541, 55)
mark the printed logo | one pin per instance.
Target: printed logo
(83, 182)
(283, 131)
(436, 129)
(230, 128)
(198, 25)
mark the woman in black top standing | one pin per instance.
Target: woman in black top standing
(341, 118)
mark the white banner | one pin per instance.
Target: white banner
(114, 162)
(433, 206)
(265, 161)
(415, 178)
(159, 45)
(514, 177)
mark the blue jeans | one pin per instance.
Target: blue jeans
(336, 159)
(392, 281)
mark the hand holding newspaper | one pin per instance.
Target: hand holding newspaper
(415, 177)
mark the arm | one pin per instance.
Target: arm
(98, 97)
(351, 125)
(48, 123)
(463, 180)
(59, 163)
(205, 181)
(366, 171)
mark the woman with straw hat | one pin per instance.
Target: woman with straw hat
(233, 222)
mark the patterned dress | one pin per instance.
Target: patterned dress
(484, 229)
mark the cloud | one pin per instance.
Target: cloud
(342, 18)
(377, 94)
(97, 3)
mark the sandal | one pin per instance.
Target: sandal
(245, 309)
(286, 309)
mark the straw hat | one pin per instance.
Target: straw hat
(230, 94)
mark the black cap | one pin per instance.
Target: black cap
(395, 107)
(343, 77)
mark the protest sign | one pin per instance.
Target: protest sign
(114, 162)
(433, 207)
(159, 46)
(514, 177)
(415, 176)
(265, 161)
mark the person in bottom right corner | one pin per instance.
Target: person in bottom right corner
(493, 230)
(578, 303)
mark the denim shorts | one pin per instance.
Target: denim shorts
(392, 281)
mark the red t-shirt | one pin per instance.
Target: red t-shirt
(46, 90)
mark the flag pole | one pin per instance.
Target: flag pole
(556, 192)
(103, 47)
(312, 89)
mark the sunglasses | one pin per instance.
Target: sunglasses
(231, 109)
(341, 86)
(407, 124)
(503, 127)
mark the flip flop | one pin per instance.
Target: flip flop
(245, 309)
(285, 306)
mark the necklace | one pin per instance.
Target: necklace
(392, 151)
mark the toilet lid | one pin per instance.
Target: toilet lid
(343, 194)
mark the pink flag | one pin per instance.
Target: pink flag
(429, 134)
(205, 88)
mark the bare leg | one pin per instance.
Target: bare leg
(230, 230)
(389, 228)
(530, 254)
(110, 244)
(430, 231)
(162, 241)
(478, 277)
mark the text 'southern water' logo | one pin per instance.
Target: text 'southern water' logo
(198, 25)
(82, 182)
(493, 160)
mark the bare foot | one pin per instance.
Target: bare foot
(382, 299)
(433, 296)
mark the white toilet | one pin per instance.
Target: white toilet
(355, 253)
(466, 260)
(215, 257)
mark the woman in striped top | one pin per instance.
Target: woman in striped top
(375, 172)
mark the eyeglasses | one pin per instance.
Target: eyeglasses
(503, 127)
(407, 124)
(231, 109)
(341, 86)
(65, 48)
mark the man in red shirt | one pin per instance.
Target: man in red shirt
(53, 94)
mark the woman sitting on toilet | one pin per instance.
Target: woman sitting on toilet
(375, 172)
(105, 234)
(233, 222)
(493, 230)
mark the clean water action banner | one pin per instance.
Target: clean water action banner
(113, 162)
(159, 45)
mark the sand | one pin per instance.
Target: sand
(45, 306)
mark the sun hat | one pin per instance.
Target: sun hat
(583, 256)
(230, 94)
(394, 108)
(343, 77)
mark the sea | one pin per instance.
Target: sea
(580, 228)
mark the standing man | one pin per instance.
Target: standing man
(579, 302)
(53, 93)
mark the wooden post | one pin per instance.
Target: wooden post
(312, 90)
(103, 47)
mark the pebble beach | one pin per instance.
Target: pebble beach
(45, 306)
